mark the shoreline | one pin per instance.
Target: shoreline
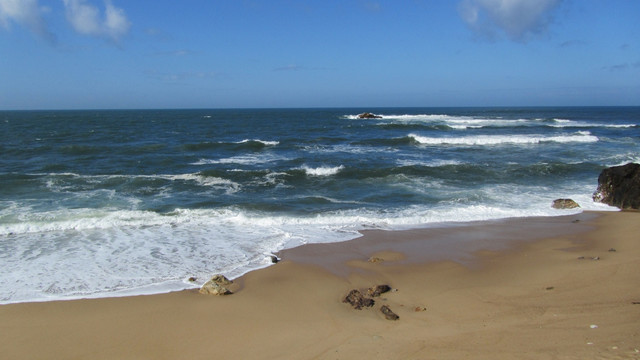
(528, 295)
(443, 250)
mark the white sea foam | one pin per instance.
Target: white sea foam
(54, 182)
(249, 159)
(110, 252)
(210, 181)
(480, 140)
(470, 122)
(454, 122)
(322, 170)
(427, 163)
(564, 123)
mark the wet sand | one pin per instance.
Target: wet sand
(548, 288)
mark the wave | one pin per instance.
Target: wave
(258, 141)
(480, 140)
(449, 121)
(444, 122)
(246, 144)
(322, 171)
(564, 123)
(77, 183)
(249, 159)
(427, 163)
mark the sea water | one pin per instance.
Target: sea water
(105, 203)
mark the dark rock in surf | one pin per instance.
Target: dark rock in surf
(619, 186)
(565, 204)
(357, 300)
(368, 115)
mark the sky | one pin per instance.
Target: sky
(134, 54)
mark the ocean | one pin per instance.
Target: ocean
(119, 202)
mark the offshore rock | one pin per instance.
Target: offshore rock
(368, 115)
(619, 186)
(388, 314)
(216, 286)
(357, 300)
(565, 204)
(377, 290)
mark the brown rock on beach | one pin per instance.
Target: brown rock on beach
(388, 314)
(357, 300)
(216, 286)
(565, 204)
(378, 290)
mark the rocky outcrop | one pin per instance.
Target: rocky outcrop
(619, 186)
(357, 300)
(368, 115)
(564, 204)
(216, 286)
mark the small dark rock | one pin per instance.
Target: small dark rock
(193, 279)
(274, 259)
(550, 288)
(612, 250)
(388, 314)
(564, 204)
(368, 115)
(357, 300)
(378, 289)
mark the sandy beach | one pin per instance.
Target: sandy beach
(541, 288)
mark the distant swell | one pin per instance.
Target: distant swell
(482, 140)
(247, 144)
(450, 122)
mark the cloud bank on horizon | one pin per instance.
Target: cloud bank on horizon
(84, 17)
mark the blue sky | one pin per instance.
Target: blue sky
(88, 54)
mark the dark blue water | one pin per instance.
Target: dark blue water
(104, 201)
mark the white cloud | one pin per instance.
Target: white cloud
(87, 19)
(24, 12)
(518, 19)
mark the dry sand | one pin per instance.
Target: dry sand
(509, 296)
